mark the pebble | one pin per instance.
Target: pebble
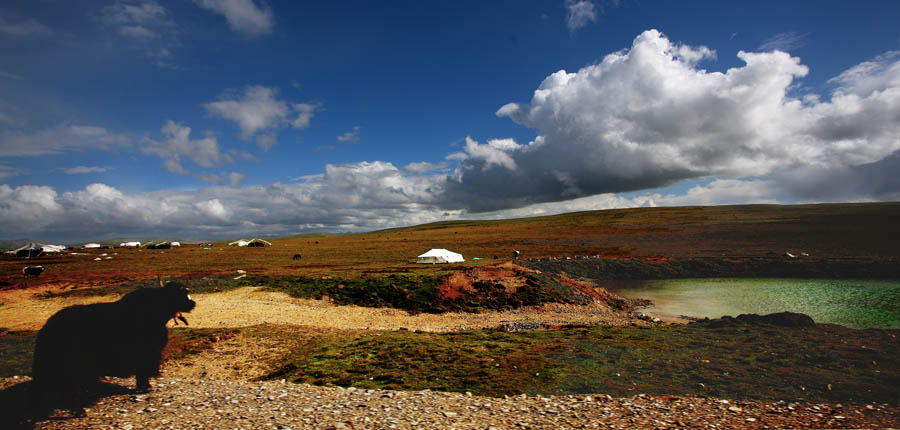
(209, 404)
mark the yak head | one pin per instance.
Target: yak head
(174, 295)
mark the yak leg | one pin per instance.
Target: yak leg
(142, 382)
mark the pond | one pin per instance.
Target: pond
(856, 304)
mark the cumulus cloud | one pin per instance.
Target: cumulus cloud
(59, 139)
(580, 13)
(177, 146)
(351, 197)
(244, 16)
(177, 143)
(640, 120)
(649, 116)
(258, 109)
(350, 136)
(18, 27)
(28, 208)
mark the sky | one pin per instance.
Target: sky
(217, 119)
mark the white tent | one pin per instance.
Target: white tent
(92, 245)
(439, 256)
(251, 243)
(130, 244)
(175, 244)
(52, 248)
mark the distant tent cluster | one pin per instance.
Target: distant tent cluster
(438, 256)
(165, 244)
(250, 243)
(33, 249)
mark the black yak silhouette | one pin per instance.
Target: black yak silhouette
(80, 344)
(32, 271)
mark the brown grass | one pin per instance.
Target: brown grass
(834, 231)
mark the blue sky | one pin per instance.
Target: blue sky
(223, 118)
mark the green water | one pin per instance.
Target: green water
(857, 304)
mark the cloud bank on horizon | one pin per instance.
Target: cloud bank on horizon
(640, 119)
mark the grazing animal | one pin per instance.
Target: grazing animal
(82, 343)
(296, 256)
(32, 271)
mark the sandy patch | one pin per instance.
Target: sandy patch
(251, 306)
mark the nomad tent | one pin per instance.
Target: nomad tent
(130, 244)
(250, 243)
(36, 250)
(439, 256)
(158, 245)
(92, 246)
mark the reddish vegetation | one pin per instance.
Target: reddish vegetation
(459, 284)
(845, 232)
(498, 283)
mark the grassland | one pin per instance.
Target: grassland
(822, 363)
(836, 232)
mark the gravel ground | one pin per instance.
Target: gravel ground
(218, 404)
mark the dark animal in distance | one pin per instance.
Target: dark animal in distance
(296, 256)
(80, 344)
(32, 271)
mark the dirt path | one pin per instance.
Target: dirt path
(250, 306)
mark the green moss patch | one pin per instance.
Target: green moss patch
(742, 361)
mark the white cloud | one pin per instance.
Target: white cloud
(17, 27)
(178, 145)
(137, 18)
(579, 13)
(354, 197)
(496, 152)
(60, 139)
(28, 208)
(720, 192)
(305, 112)
(259, 110)
(648, 117)
(79, 170)
(242, 15)
(641, 119)
(420, 168)
(788, 41)
(214, 209)
(7, 171)
(350, 136)
(147, 28)
(869, 76)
